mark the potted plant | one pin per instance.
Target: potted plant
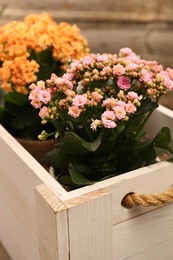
(93, 221)
(31, 50)
(99, 108)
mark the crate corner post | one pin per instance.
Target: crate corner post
(90, 225)
(52, 225)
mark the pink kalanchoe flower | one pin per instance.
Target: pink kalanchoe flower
(118, 69)
(120, 103)
(32, 86)
(87, 60)
(132, 66)
(108, 119)
(168, 83)
(128, 53)
(95, 124)
(102, 58)
(131, 95)
(74, 111)
(96, 96)
(170, 72)
(130, 108)
(120, 112)
(107, 70)
(79, 100)
(33, 96)
(109, 103)
(68, 76)
(124, 82)
(63, 83)
(125, 51)
(44, 96)
(146, 75)
(44, 112)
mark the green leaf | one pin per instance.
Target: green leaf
(77, 177)
(54, 158)
(75, 145)
(147, 105)
(16, 98)
(163, 138)
(25, 118)
(66, 180)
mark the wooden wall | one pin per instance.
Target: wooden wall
(145, 26)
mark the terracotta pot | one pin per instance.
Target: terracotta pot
(38, 148)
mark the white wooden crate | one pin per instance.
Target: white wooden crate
(39, 220)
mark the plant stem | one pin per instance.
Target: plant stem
(57, 126)
(88, 132)
(142, 125)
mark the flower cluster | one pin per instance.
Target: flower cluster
(31, 50)
(98, 109)
(36, 45)
(101, 90)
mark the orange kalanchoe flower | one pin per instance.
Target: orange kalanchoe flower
(37, 42)
(13, 41)
(69, 43)
(17, 74)
(42, 31)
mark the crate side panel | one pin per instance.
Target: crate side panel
(90, 226)
(18, 242)
(149, 236)
(52, 224)
(161, 117)
(19, 203)
(155, 178)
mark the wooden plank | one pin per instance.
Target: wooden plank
(118, 5)
(52, 225)
(18, 242)
(149, 236)
(27, 172)
(20, 173)
(155, 178)
(161, 117)
(151, 179)
(18, 204)
(90, 226)
(88, 16)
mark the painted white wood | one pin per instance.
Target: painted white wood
(90, 226)
(52, 225)
(155, 178)
(18, 203)
(150, 236)
(161, 117)
(20, 173)
(79, 222)
(25, 168)
(16, 239)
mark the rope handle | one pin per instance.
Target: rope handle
(146, 200)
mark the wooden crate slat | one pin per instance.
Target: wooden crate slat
(151, 179)
(17, 240)
(18, 203)
(90, 226)
(145, 237)
(52, 225)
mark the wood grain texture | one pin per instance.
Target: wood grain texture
(52, 225)
(20, 173)
(150, 236)
(90, 226)
(17, 240)
(78, 224)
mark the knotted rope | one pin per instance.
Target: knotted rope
(146, 200)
